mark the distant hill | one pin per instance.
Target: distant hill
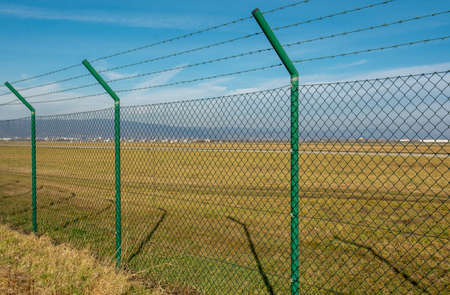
(94, 128)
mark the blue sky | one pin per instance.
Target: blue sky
(40, 36)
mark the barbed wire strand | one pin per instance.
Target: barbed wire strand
(155, 72)
(295, 61)
(356, 52)
(144, 61)
(252, 52)
(65, 99)
(373, 27)
(410, 43)
(200, 31)
(249, 35)
(8, 102)
(162, 42)
(333, 15)
(46, 74)
(54, 82)
(384, 25)
(202, 48)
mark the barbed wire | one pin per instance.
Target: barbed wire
(54, 82)
(8, 102)
(47, 73)
(202, 48)
(356, 52)
(326, 83)
(69, 98)
(384, 25)
(181, 52)
(192, 65)
(278, 65)
(63, 90)
(200, 31)
(201, 78)
(332, 15)
(155, 72)
(284, 7)
(246, 36)
(143, 62)
(184, 36)
(372, 49)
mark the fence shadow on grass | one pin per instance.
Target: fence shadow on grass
(51, 204)
(264, 276)
(385, 261)
(149, 236)
(79, 218)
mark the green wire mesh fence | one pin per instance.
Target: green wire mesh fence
(15, 173)
(206, 187)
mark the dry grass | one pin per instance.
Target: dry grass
(32, 265)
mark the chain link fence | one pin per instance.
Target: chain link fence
(206, 187)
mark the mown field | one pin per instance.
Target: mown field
(214, 217)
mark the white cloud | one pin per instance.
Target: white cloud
(121, 18)
(111, 75)
(159, 79)
(349, 65)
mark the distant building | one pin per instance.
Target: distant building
(442, 140)
(434, 140)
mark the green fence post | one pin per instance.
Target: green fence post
(33, 153)
(295, 284)
(117, 156)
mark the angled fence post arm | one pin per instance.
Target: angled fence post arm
(295, 284)
(116, 99)
(33, 153)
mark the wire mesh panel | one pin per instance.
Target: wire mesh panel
(205, 188)
(374, 185)
(15, 172)
(76, 174)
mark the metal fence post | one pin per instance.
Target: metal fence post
(116, 155)
(294, 147)
(33, 153)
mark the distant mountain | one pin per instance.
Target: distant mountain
(94, 128)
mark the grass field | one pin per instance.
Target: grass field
(214, 217)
